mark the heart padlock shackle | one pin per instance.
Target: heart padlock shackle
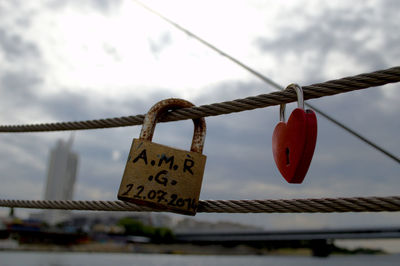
(162, 177)
(293, 143)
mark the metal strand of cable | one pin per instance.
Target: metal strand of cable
(318, 90)
(315, 205)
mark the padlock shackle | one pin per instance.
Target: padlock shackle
(162, 107)
(300, 101)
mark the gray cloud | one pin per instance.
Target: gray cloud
(16, 88)
(363, 35)
(13, 46)
(159, 44)
(110, 50)
(19, 84)
(103, 6)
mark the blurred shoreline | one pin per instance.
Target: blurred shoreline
(179, 249)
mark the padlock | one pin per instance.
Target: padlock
(162, 177)
(293, 143)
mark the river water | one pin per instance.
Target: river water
(15, 258)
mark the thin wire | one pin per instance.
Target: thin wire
(268, 81)
(191, 34)
(358, 136)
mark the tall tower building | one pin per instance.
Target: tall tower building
(61, 176)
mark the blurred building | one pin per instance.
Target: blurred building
(61, 176)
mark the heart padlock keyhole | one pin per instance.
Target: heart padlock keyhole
(287, 156)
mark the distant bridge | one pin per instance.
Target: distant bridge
(290, 235)
(319, 241)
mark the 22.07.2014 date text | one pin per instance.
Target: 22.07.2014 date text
(159, 196)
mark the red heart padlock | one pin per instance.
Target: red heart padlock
(293, 143)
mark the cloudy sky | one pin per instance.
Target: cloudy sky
(80, 60)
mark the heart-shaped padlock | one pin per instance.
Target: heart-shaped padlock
(293, 143)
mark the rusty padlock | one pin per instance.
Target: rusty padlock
(162, 177)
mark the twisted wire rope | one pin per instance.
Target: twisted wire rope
(319, 205)
(318, 90)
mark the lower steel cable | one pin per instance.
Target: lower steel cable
(316, 205)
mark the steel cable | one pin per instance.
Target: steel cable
(322, 205)
(318, 90)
